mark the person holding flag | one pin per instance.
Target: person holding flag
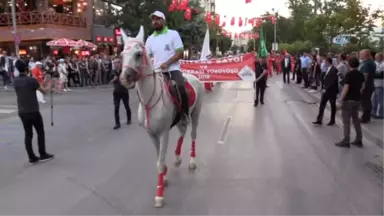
(261, 71)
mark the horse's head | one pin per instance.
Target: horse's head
(135, 60)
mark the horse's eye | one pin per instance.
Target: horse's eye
(138, 55)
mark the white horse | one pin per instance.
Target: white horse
(157, 110)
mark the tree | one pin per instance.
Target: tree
(319, 21)
(136, 13)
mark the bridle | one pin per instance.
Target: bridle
(142, 75)
(144, 66)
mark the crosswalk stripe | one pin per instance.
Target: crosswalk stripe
(7, 111)
(8, 106)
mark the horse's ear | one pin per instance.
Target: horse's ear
(123, 35)
(140, 35)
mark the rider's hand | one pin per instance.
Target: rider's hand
(164, 66)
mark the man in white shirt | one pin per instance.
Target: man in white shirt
(166, 48)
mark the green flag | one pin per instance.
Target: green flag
(262, 52)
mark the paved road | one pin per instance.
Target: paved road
(271, 161)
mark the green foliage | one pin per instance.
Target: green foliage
(319, 21)
(296, 47)
(136, 13)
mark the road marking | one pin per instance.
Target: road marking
(237, 96)
(7, 111)
(8, 106)
(224, 131)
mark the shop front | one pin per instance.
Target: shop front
(105, 39)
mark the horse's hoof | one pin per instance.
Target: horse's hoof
(159, 202)
(192, 164)
(178, 161)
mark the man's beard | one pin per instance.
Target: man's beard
(158, 28)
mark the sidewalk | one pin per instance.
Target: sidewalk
(372, 130)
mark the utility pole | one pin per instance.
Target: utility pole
(274, 47)
(14, 22)
(212, 9)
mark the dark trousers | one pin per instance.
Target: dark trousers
(323, 102)
(117, 97)
(6, 79)
(260, 89)
(74, 77)
(106, 76)
(350, 110)
(286, 75)
(299, 76)
(316, 80)
(293, 74)
(83, 78)
(305, 75)
(177, 76)
(30, 121)
(366, 104)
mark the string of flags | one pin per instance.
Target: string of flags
(221, 21)
(246, 35)
(240, 21)
(182, 5)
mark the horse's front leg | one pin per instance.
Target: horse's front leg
(162, 169)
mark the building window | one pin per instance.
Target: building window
(61, 6)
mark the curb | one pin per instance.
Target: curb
(375, 138)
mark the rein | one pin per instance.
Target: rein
(142, 75)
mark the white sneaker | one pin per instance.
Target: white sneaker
(65, 90)
(43, 101)
(69, 89)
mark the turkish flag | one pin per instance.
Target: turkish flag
(233, 21)
(273, 19)
(173, 5)
(208, 17)
(240, 22)
(183, 5)
(188, 14)
(217, 19)
(248, 1)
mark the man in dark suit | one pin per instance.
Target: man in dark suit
(286, 66)
(5, 66)
(329, 92)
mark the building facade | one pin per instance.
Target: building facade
(39, 21)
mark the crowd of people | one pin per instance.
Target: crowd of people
(66, 72)
(356, 81)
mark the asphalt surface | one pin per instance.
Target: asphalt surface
(266, 160)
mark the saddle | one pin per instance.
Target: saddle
(171, 88)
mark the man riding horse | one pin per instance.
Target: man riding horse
(159, 109)
(166, 48)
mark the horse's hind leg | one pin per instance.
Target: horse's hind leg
(195, 122)
(162, 169)
(182, 130)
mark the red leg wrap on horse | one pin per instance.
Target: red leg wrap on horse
(160, 185)
(193, 149)
(179, 144)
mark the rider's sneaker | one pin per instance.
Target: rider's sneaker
(46, 157)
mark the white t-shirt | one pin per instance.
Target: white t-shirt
(162, 46)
